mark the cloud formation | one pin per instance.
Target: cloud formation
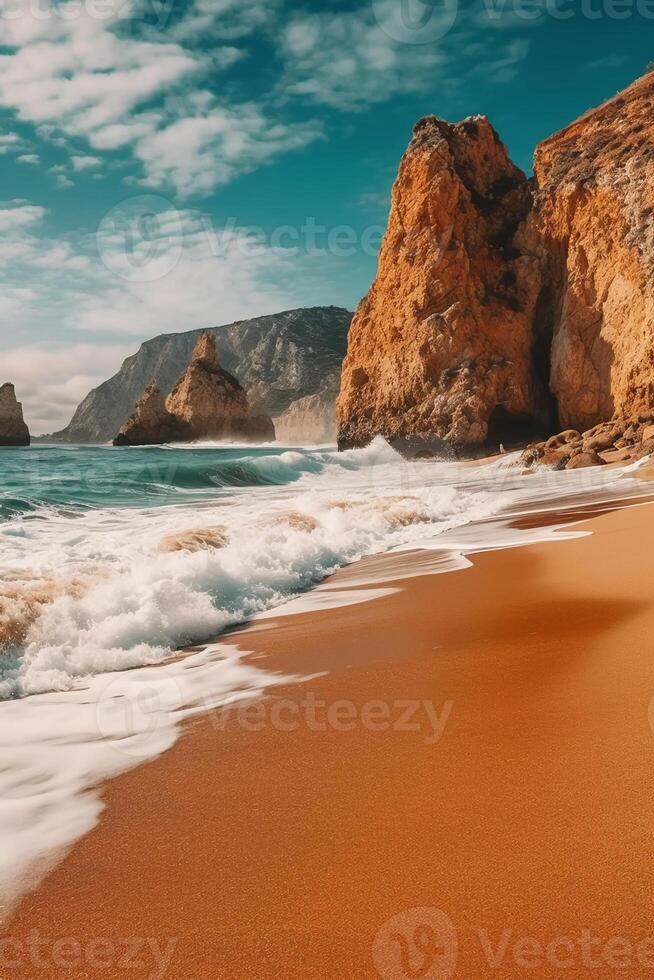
(149, 269)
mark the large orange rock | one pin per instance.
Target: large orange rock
(592, 228)
(440, 348)
(211, 404)
(495, 302)
(150, 423)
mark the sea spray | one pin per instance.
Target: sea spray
(91, 583)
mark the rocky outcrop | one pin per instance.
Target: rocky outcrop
(206, 403)
(617, 441)
(592, 228)
(277, 359)
(13, 431)
(497, 303)
(440, 348)
(308, 420)
(150, 423)
(209, 403)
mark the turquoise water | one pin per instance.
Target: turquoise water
(78, 478)
(114, 558)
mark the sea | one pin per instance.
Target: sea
(113, 560)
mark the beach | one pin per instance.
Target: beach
(461, 787)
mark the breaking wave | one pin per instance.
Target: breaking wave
(117, 558)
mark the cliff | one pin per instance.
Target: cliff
(278, 359)
(206, 403)
(13, 431)
(309, 420)
(501, 306)
(593, 230)
(440, 347)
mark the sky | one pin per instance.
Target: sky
(172, 164)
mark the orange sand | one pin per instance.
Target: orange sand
(281, 854)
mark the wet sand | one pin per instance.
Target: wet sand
(487, 757)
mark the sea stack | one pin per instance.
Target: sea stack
(206, 403)
(13, 430)
(150, 423)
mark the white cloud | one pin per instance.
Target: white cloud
(135, 279)
(19, 215)
(11, 142)
(229, 20)
(199, 153)
(31, 158)
(84, 162)
(115, 82)
(348, 61)
(51, 382)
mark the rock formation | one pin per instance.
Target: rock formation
(308, 420)
(496, 302)
(617, 441)
(592, 227)
(211, 404)
(440, 348)
(277, 359)
(206, 403)
(13, 431)
(150, 423)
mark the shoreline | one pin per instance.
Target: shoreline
(282, 848)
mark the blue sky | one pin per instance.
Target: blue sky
(170, 164)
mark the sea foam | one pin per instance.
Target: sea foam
(98, 594)
(113, 588)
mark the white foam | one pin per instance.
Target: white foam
(56, 748)
(140, 603)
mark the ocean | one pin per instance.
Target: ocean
(112, 560)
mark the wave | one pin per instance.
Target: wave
(116, 587)
(99, 477)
